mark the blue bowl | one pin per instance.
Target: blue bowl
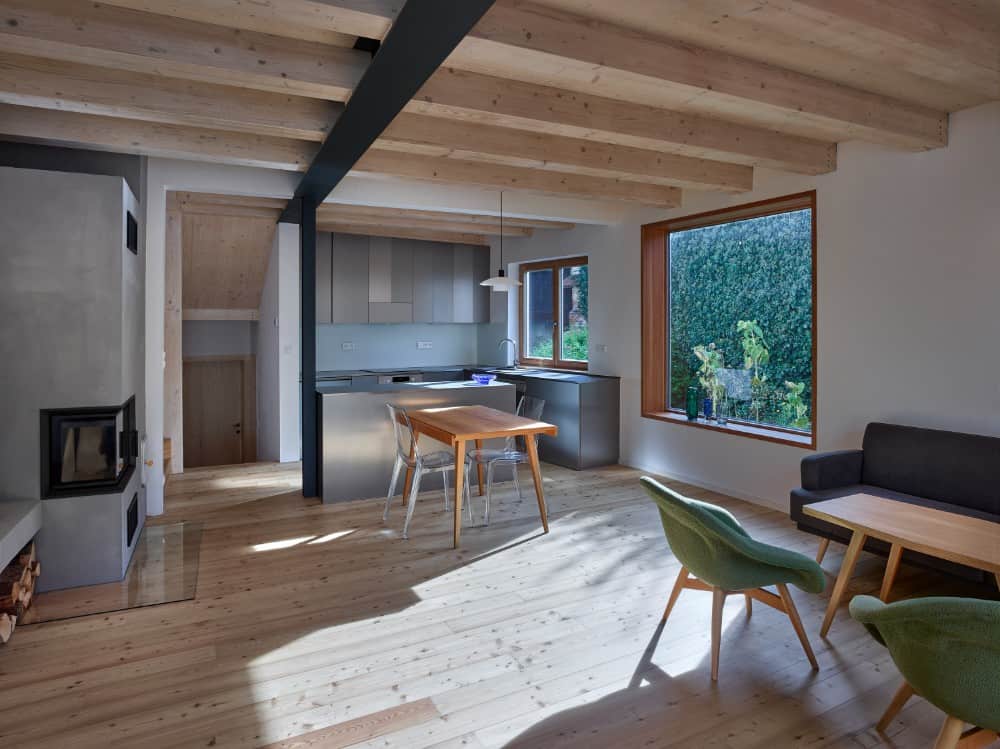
(484, 379)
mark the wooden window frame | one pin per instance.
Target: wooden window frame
(655, 403)
(556, 362)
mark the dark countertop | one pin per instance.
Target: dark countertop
(397, 386)
(556, 375)
(340, 374)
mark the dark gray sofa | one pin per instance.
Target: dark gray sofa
(948, 471)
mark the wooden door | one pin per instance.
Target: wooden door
(213, 413)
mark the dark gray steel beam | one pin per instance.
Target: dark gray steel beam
(423, 35)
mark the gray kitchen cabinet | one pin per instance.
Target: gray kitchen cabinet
(390, 280)
(444, 283)
(433, 282)
(586, 408)
(424, 254)
(480, 293)
(324, 278)
(349, 279)
(471, 300)
(381, 280)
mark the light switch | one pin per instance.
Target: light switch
(348, 346)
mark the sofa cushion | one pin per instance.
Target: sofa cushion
(962, 470)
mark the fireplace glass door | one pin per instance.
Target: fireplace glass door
(87, 450)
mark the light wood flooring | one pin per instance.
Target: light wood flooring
(317, 626)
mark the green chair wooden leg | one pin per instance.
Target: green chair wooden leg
(676, 592)
(900, 699)
(950, 734)
(718, 601)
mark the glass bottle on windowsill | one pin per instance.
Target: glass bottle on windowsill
(722, 411)
(692, 403)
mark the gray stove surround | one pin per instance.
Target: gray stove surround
(72, 305)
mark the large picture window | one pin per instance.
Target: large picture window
(729, 305)
(554, 298)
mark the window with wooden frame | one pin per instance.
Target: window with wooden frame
(729, 320)
(553, 313)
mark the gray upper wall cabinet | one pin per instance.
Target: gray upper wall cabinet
(349, 279)
(471, 300)
(382, 280)
(390, 280)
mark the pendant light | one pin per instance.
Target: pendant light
(500, 282)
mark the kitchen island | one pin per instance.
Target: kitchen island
(357, 446)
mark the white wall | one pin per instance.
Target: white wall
(908, 306)
(218, 337)
(278, 433)
(381, 346)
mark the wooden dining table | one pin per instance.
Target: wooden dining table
(458, 425)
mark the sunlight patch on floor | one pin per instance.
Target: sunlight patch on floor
(288, 543)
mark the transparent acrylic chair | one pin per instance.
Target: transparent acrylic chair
(408, 455)
(510, 454)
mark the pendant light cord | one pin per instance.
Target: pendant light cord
(501, 233)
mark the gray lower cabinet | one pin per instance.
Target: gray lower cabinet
(349, 279)
(586, 410)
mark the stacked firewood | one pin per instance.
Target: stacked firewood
(17, 588)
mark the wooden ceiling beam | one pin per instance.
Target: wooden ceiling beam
(378, 162)
(534, 43)
(154, 139)
(200, 313)
(96, 34)
(456, 94)
(433, 136)
(401, 233)
(404, 221)
(208, 202)
(471, 219)
(337, 22)
(183, 199)
(959, 34)
(53, 84)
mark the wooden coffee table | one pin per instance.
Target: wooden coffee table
(946, 535)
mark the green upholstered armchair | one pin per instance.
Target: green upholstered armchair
(719, 556)
(948, 651)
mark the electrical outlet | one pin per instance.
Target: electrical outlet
(425, 344)
(602, 348)
(348, 346)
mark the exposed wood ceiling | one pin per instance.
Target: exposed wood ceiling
(636, 100)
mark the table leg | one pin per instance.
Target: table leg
(409, 470)
(536, 474)
(459, 487)
(824, 544)
(479, 468)
(846, 568)
(891, 568)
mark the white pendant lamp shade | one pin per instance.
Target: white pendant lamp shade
(500, 282)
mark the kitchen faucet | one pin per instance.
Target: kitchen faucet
(513, 347)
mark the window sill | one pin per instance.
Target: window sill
(780, 436)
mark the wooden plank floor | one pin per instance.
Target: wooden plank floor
(317, 626)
